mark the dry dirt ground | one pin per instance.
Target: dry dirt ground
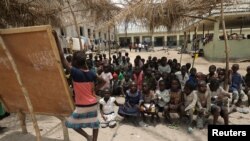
(51, 130)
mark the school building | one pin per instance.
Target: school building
(208, 37)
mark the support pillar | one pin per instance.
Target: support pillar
(178, 40)
(140, 39)
(132, 40)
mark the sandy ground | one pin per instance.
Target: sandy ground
(51, 130)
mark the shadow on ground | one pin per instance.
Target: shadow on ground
(18, 136)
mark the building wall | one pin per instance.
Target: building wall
(238, 50)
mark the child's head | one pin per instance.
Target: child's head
(248, 70)
(106, 68)
(96, 57)
(149, 58)
(100, 57)
(165, 75)
(104, 56)
(218, 69)
(133, 87)
(235, 68)
(188, 65)
(214, 84)
(162, 85)
(157, 75)
(202, 86)
(175, 84)
(221, 74)
(126, 77)
(175, 60)
(126, 54)
(123, 59)
(178, 67)
(183, 69)
(148, 71)
(79, 59)
(193, 71)
(145, 87)
(170, 62)
(69, 58)
(90, 56)
(188, 88)
(106, 93)
(212, 69)
(163, 61)
(200, 76)
(154, 59)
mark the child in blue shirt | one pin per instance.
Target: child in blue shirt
(236, 85)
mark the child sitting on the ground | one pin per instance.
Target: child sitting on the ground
(221, 77)
(182, 76)
(236, 85)
(192, 77)
(107, 109)
(131, 106)
(107, 76)
(126, 82)
(190, 100)
(212, 73)
(147, 105)
(163, 98)
(158, 78)
(219, 101)
(176, 99)
(203, 104)
(116, 87)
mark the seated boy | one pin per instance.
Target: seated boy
(147, 105)
(219, 101)
(163, 97)
(203, 104)
(190, 100)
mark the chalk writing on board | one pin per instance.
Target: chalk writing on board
(5, 62)
(41, 60)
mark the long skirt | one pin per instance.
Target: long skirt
(83, 117)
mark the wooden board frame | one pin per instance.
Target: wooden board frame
(58, 65)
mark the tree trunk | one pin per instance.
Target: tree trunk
(184, 45)
(195, 45)
(226, 46)
(76, 25)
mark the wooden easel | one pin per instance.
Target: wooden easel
(22, 114)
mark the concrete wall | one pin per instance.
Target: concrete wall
(238, 50)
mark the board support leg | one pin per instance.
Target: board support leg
(22, 118)
(65, 129)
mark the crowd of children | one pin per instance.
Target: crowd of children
(164, 86)
(158, 86)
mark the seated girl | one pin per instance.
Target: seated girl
(107, 109)
(131, 106)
